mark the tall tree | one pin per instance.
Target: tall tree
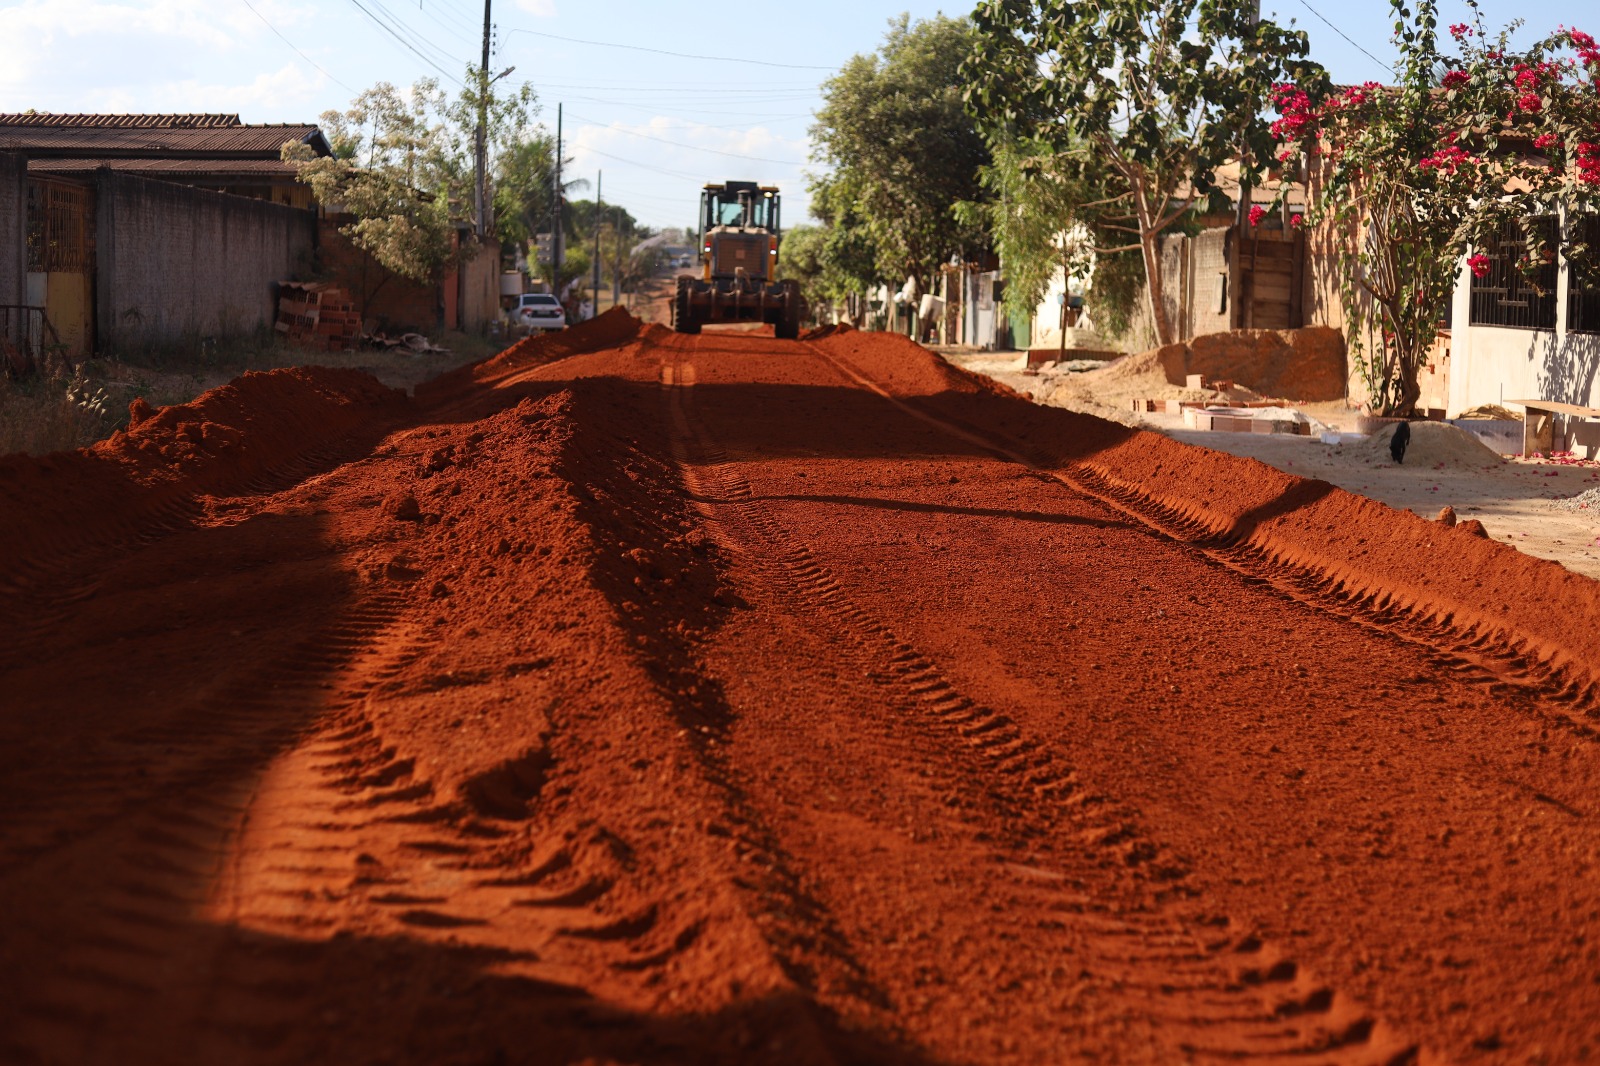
(1052, 213)
(402, 171)
(1162, 92)
(901, 147)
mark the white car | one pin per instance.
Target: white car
(540, 310)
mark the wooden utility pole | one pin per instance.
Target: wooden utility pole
(599, 203)
(480, 163)
(557, 234)
(616, 261)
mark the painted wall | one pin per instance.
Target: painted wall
(175, 263)
(1490, 364)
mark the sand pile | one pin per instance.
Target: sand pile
(1432, 444)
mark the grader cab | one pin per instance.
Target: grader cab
(739, 234)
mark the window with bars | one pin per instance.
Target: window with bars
(1583, 297)
(58, 228)
(1505, 296)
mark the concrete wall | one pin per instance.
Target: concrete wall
(1492, 364)
(174, 262)
(13, 228)
(479, 300)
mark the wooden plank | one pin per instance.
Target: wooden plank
(1559, 407)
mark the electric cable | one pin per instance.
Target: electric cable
(296, 51)
(1347, 37)
(676, 55)
(404, 43)
(691, 147)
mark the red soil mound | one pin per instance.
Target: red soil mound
(1358, 549)
(220, 442)
(610, 329)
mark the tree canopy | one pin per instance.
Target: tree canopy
(402, 169)
(1161, 92)
(901, 150)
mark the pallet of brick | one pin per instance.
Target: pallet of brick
(317, 314)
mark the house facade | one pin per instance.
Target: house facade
(1518, 338)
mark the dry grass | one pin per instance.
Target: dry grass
(50, 413)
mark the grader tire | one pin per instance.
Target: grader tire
(682, 314)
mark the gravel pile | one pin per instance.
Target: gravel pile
(1588, 500)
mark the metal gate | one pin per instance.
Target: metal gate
(61, 261)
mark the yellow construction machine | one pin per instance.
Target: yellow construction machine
(739, 234)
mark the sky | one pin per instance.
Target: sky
(735, 101)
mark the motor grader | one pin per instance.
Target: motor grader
(739, 234)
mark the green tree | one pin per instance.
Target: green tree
(849, 255)
(1161, 92)
(524, 187)
(1465, 149)
(1053, 213)
(902, 151)
(402, 171)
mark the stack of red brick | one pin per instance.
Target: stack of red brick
(317, 315)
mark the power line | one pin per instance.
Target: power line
(676, 112)
(1346, 36)
(676, 55)
(292, 48)
(797, 92)
(692, 147)
(454, 31)
(405, 43)
(420, 40)
(637, 163)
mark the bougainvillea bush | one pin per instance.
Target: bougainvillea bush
(1410, 178)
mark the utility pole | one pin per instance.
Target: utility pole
(599, 203)
(557, 236)
(483, 123)
(616, 269)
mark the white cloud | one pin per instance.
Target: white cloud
(649, 174)
(284, 95)
(544, 9)
(59, 54)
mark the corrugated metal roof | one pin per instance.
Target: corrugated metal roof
(264, 141)
(44, 118)
(181, 169)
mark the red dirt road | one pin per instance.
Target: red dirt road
(637, 698)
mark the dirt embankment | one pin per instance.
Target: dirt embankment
(638, 697)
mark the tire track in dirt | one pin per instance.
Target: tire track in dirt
(121, 943)
(1216, 994)
(1472, 649)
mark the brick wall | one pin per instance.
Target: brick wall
(175, 263)
(387, 301)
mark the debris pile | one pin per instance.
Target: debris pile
(317, 315)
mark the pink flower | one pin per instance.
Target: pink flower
(1580, 39)
(1446, 160)
(1456, 79)
(1544, 140)
(1297, 221)
(1460, 30)
(1479, 265)
(1257, 213)
(1530, 102)
(1588, 162)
